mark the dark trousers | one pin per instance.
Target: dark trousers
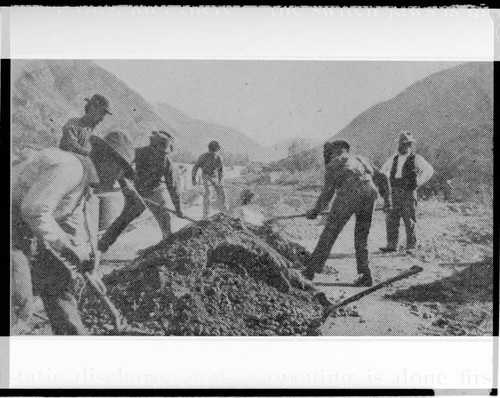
(359, 201)
(404, 204)
(55, 285)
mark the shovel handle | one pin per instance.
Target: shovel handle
(169, 210)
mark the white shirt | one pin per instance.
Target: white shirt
(424, 169)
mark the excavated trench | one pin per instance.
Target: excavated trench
(213, 277)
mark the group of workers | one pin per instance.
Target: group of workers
(54, 230)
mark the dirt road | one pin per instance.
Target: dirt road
(447, 233)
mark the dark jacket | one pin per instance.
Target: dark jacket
(150, 167)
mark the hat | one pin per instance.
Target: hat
(100, 101)
(162, 135)
(118, 144)
(405, 137)
(213, 146)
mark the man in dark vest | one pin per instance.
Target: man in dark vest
(355, 181)
(406, 171)
(77, 131)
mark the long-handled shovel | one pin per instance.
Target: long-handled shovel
(329, 310)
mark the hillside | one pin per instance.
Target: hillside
(46, 93)
(436, 109)
(49, 92)
(199, 133)
(451, 115)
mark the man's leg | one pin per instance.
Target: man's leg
(410, 219)
(206, 196)
(221, 197)
(361, 231)
(340, 213)
(22, 292)
(159, 211)
(56, 291)
(392, 221)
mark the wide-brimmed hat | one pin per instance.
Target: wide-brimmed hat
(405, 137)
(100, 101)
(162, 135)
(118, 144)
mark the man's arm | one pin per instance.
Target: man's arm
(220, 169)
(196, 166)
(425, 170)
(39, 204)
(387, 166)
(134, 206)
(328, 190)
(69, 141)
(171, 184)
(384, 187)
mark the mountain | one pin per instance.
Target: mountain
(46, 93)
(199, 133)
(451, 116)
(437, 109)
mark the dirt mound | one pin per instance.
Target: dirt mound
(472, 284)
(214, 277)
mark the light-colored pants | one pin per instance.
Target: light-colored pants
(219, 190)
(162, 198)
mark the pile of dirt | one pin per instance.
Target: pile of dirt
(472, 284)
(213, 277)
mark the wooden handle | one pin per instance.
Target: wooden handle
(412, 271)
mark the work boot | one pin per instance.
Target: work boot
(387, 249)
(364, 280)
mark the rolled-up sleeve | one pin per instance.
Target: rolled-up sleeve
(387, 166)
(425, 170)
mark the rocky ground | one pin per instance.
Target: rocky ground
(455, 245)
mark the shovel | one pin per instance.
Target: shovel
(329, 310)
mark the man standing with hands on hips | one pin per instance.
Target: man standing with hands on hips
(406, 171)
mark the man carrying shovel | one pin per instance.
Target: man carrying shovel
(52, 197)
(352, 179)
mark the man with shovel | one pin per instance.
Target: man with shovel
(152, 164)
(352, 178)
(52, 204)
(211, 166)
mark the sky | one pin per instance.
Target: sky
(271, 101)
